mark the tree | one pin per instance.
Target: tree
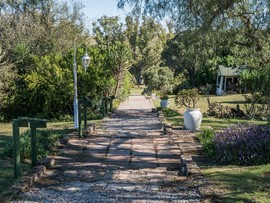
(7, 74)
(120, 61)
(110, 38)
(247, 21)
(159, 79)
(188, 53)
(147, 41)
(107, 31)
(33, 34)
(194, 13)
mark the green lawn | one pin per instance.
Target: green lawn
(137, 90)
(215, 123)
(225, 100)
(239, 184)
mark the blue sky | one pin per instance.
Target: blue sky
(94, 9)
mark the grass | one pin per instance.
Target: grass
(137, 90)
(215, 123)
(6, 166)
(239, 184)
(225, 100)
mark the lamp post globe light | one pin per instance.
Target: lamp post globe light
(85, 63)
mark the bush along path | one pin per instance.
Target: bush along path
(127, 159)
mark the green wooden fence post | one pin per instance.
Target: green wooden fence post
(16, 124)
(33, 133)
(16, 147)
(34, 124)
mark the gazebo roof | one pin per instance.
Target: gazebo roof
(228, 71)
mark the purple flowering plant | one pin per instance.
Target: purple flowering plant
(243, 144)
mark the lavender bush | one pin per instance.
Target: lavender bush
(243, 145)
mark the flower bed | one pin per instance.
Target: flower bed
(240, 144)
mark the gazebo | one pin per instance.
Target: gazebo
(225, 75)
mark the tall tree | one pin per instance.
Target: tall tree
(147, 41)
(194, 13)
(110, 38)
(107, 31)
(120, 58)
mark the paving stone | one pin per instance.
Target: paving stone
(124, 176)
(154, 175)
(121, 146)
(119, 152)
(141, 141)
(117, 164)
(168, 152)
(96, 147)
(121, 141)
(90, 159)
(143, 146)
(143, 152)
(139, 159)
(137, 175)
(139, 165)
(117, 158)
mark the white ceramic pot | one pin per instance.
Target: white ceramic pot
(164, 103)
(192, 119)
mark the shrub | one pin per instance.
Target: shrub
(243, 145)
(159, 79)
(47, 140)
(168, 112)
(187, 98)
(206, 139)
(219, 111)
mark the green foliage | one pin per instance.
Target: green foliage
(127, 86)
(256, 82)
(35, 77)
(159, 79)
(146, 40)
(119, 57)
(47, 141)
(220, 111)
(107, 31)
(188, 54)
(110, 38)
(52, 29)
(46, 91)
(206, 139)
(168, 112)
(187, 98)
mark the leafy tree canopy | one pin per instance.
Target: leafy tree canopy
(196, 13)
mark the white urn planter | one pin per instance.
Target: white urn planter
(192, 119)
(164, 103)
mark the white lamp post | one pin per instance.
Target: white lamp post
(85, 62)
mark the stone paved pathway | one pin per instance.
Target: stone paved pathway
(127, 160)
